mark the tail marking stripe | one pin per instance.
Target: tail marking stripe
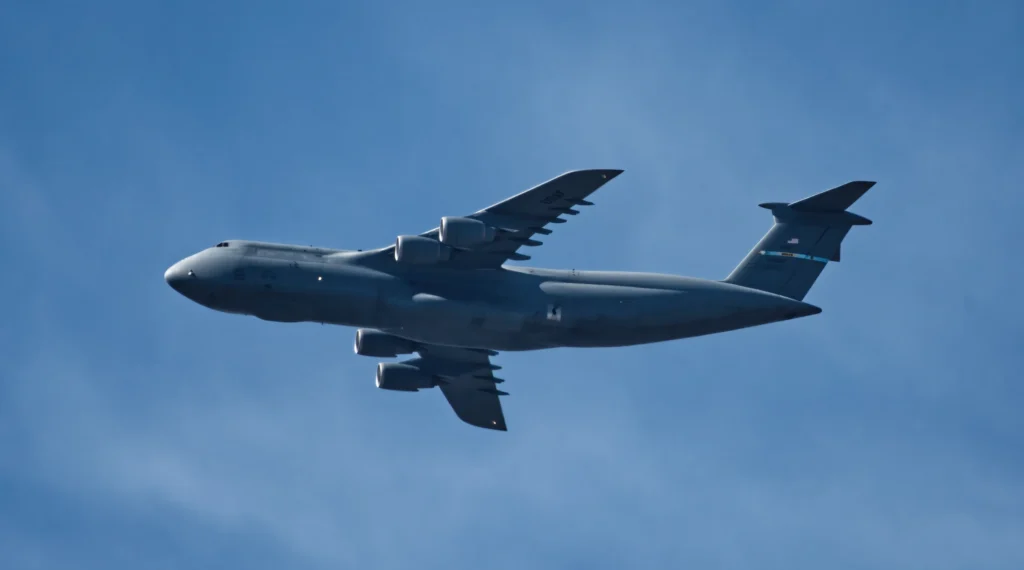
(798, 255)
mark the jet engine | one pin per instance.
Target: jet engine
(402, 377)
(381, 344)
(419, 250)
(465, 232)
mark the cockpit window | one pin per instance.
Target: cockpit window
(222, 244)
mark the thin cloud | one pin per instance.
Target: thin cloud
(875, 435)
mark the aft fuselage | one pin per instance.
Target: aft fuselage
(511, 308)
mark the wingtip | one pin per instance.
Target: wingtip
(606, 173)
(500, 426)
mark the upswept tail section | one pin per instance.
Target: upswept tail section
(806, 235)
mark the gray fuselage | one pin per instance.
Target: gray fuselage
(511, 308)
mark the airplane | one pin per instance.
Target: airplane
(449, 296)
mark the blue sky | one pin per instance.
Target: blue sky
(141, 430)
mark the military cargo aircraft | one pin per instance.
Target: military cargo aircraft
(448, 296)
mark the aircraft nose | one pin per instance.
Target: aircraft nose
(177, 276)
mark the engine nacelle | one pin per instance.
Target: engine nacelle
(419, 250)
(465, 232)
(381, 344)
(402, 377)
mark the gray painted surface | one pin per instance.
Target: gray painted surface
(457, 306)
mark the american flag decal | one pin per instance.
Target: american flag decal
(793, 241)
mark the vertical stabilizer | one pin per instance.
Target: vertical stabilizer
(806, 236)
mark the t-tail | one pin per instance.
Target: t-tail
(806, 236)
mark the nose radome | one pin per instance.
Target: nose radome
(175, 276)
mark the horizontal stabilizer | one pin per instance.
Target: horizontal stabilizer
(837, 199)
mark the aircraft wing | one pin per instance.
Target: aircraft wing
(468, 383)
(526, 215)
